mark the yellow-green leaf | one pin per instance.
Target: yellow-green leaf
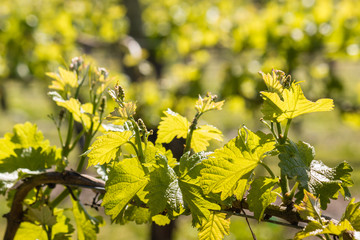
(292, 105)
(215, 228)
(228, 169)
(105, 147)
(171, 126)
(126, 179)
(202, 135)
(65, 79)
(208, 103)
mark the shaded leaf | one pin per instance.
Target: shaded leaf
(296, 160)
(61, 230)
(352, 214)
(261, 195)
(87, 226)
(309, 208)
(215, 228)
(163, 188)
(106, 147)
(41, 215)
(126, 179)
(228, 169)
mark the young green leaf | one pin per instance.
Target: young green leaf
(352, 214)
(163, 188)
(87, 226)
(41, 215)
(126, 111)
(174, 125)
(61, 230)
(208, 103)
(126, 179)
(171, 126)
(161, 220)
(215, 228)
(296, 160)
(202, 135)
(261, 194)
(309, 208)
(136, 214)
(26, 148)
(272, 82)
(65, 80)
(292, 105)
(228, 169)
(106, 147)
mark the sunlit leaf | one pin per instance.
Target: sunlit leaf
(202, 135)
(292, 105)
(171, 126)
(106, 147)
(228, 169)
(128, 110)
(65, 79)
(215, 228)
(26, 148)
(126, 179)
(208, 103)
(161, 220)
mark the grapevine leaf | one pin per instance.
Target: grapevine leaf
(126, 179)
(192, 193)
(105, 147)
(228, 169)
(261, 195)
(87, 226)
(189, 161)
(309, 208)
(296, 160)
(215, 228)
(292, 105)
(161, 220)
(61, 230)
(42, 215)
(315, 228)
(202, 135)
(272, 82)
(125, 112)
(163, 188)
(65, 79)
(26, 148)
(207, 104)
(171, 126)
(133, 213)
(352, 214)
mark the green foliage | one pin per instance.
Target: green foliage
(216, 227)
(297, 160)
(26, 148)
(229, 168)
(261, 194)
(144, 182)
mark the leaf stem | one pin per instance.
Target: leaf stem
(191, 131)
(284, 184)
(271, 129)
(268, 169)
(138, 142)
(287, 129)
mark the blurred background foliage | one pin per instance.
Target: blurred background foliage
(166, 52)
